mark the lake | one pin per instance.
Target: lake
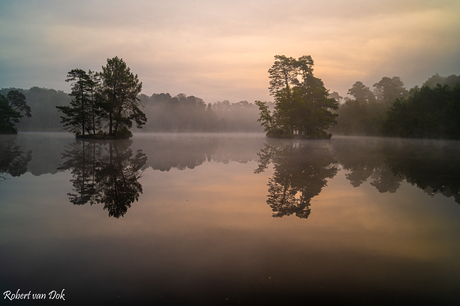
(229, 219)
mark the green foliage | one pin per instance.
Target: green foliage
(265, 119)
(13, 107)
(429, 113)
(302, 106)
(76, 117)
(120, 90)
(123, 133)
(366, 112)
(388, 90)
(43, 101)
(110, 96)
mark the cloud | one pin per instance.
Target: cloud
(219, 50)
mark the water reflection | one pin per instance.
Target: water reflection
(301, 170)
(108, 172)
(432, 166)
(188, 151)
(13, 160)
(104, 173)
(365, 159)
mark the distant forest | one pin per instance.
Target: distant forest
(389, 109)
(165, 113)
(183, 113)
(432, 111)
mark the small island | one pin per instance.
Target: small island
(303, 108)
(105, 104)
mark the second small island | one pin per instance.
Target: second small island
(105, 104)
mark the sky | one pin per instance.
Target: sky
(221, 50)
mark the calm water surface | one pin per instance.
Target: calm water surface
(229, 219)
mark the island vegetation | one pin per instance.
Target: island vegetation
(302, 106)
(12, 108)
(105, 104)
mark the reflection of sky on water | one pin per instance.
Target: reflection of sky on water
(208, 231)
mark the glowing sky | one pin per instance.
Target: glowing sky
(221, 50)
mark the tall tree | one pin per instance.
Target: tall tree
(94, 102)
(302, 105)
(76, 117)
(120, 89)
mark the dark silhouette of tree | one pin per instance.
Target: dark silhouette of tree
(301, 171)
(43, 102)
(111, 96)
(80, 116)
(95, 110)
(104, 173)
(302, 105)
(429, 113)
(12, 108)
(121, 88)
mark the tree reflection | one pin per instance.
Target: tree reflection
(432, 166)
(104, 173)
(301, 170)
(365, 159)
(13, 161)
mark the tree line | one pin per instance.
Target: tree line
(182, 113)
(165, 112)
(42, 102)
(431, 111)
(106, 104)
(12, 108)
